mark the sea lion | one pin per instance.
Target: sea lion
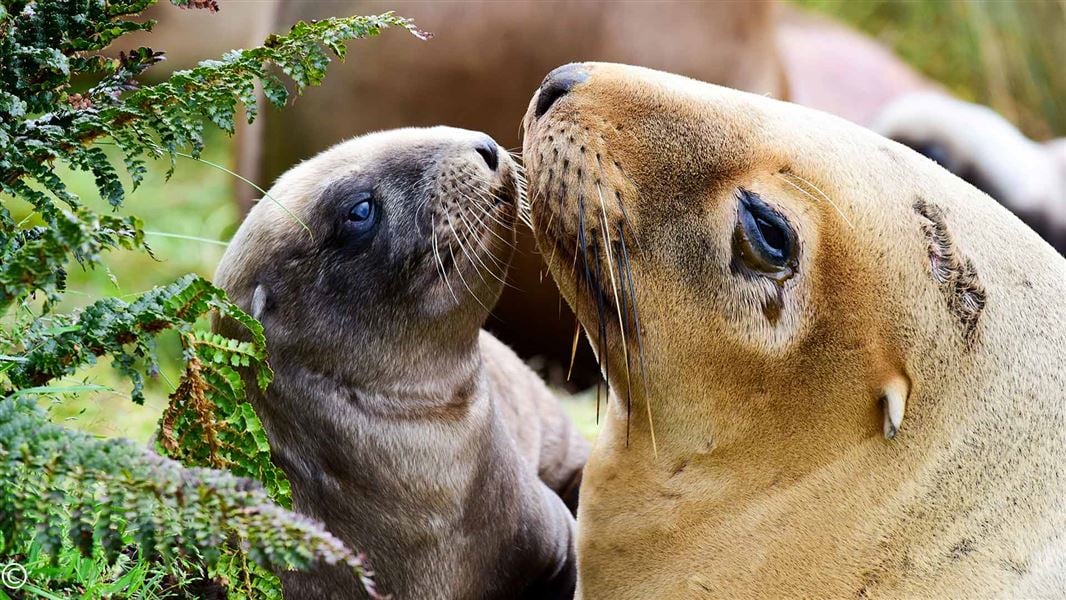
(835, 368)
(414, 436)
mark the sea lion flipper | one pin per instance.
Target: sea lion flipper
(894, 401)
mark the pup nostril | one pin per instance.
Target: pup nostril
(557, 84)
(488, 151)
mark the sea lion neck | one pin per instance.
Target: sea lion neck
(405, 377)
(747, 435)
(431, 379)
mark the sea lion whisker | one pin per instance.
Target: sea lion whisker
(624, 300)
(489, 186)
(470, 234)
(559, 225)
(583, 251)
(601, 309)
(614, 286)
(459, 241)
(486, 211)
(486, 202)
(598, 382)
(483, 224)
(462, 248)
(640, 343)
(628, 223)
(436, 253)
(551, 219)
(534, 194)
(555, 247)
(495, 238)
(622, 307)
(782, 176)
(463, 279)
(524, 217)
(525, 208)
(422, 207)
(484, 251)
(573, 348)
(573, 263)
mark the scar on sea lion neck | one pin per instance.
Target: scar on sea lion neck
(953, 272)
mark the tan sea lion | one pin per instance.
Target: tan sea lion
(836, 369)
(413, 435)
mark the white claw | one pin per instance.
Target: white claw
(894, 401)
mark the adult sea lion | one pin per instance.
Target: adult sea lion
(836, 368)
(410, 433)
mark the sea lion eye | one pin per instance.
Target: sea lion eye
(762, 239)
(363, 209)
(361, 212)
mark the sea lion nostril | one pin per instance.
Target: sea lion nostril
(488, 151)
(557, 84)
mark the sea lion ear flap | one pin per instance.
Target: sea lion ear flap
(894, 403)
(259, 302)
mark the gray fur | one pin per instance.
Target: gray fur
(385, 409)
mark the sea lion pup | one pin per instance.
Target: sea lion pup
(413, 435)
(836, 368)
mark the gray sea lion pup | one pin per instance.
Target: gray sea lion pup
(415, 436)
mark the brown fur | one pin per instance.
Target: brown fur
(771, 474)
(412, 434)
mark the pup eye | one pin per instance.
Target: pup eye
(363, 209)
(762, 239)
(361, 212)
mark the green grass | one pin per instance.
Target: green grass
(1005, 54)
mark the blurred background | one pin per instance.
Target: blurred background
(907, 69)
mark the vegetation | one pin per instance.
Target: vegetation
(95, 516)
(1007, 55)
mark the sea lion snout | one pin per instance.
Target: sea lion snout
(489, 151)
(557, 84)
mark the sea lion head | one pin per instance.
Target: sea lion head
(377, 252)
(759, 270)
